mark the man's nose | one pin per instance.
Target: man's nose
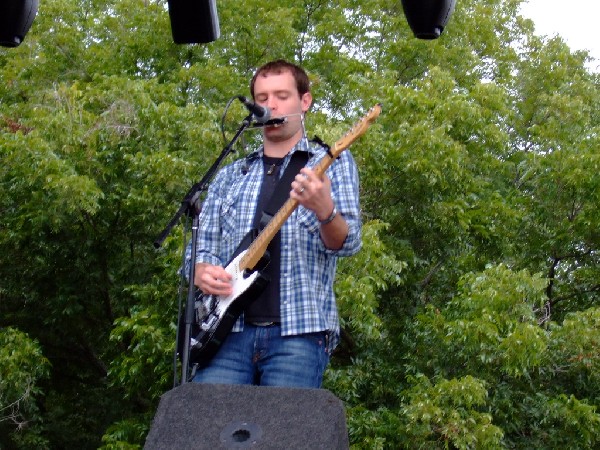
(271, 103)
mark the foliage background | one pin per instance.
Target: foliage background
(471, 315)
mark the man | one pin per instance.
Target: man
(284, 337)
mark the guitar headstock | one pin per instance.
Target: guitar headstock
(357, 130)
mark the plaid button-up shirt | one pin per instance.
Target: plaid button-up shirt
(307, 301)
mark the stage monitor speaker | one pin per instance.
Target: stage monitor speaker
(16, 17)
(194, 21)
(214, 416)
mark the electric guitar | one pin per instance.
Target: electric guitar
(216, 315)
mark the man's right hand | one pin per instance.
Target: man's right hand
(212, 280)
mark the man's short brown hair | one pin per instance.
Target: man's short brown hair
(279, 66)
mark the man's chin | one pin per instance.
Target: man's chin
(274, 132)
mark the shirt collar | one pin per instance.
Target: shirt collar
(303, 145)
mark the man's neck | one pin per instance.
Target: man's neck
(279, 149)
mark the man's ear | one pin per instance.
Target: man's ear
(306, 101)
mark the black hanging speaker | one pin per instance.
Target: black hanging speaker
(16, 17)
(217, 416)
(194, 21)
(428, 18)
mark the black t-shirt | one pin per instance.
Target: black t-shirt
(266, 307)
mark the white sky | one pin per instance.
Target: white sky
(576, 21)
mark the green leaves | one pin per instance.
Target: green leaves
(149, 345)
(577, 422)
(447, 414)
(490, 331)
(22, 368)
(470, 315)
(361, 280)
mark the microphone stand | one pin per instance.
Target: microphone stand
(191, 206)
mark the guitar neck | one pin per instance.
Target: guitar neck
(259, 246)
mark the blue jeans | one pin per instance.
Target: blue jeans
(261, 356)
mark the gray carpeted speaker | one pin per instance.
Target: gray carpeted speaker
(214, 416)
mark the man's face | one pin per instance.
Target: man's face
(279, 93)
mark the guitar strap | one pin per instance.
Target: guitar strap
(282, 190)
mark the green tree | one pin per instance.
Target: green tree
(469, 318)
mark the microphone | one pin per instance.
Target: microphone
(261, 114)
(427, 18)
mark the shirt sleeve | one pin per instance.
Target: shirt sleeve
(208, 242)
(343, 174)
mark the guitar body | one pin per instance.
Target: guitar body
(221, 312)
